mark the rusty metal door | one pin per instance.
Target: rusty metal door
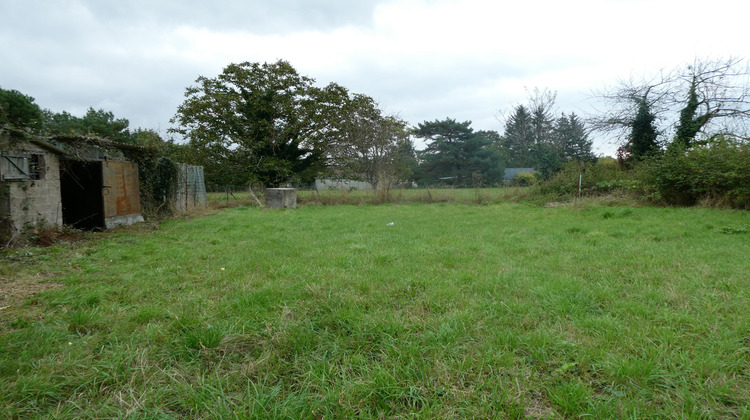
(120, 191)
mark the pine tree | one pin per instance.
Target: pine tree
(571, 136)
(643, 132)
(19, 112)
(455, 151)
(519, 139)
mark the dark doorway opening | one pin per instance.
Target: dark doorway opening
(81, 191)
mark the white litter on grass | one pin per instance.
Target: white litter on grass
(391, 224)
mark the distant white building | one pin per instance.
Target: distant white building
(341, 184)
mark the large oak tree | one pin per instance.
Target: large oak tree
(260, 123)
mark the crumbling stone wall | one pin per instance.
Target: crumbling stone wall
(281, 198)
(32, 203)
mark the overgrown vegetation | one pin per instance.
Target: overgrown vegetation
(715, 173)
(443, 310)
(604, 176)
(21, 118)
(158, 177)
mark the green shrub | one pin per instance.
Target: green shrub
(716, 173)
(525, 179)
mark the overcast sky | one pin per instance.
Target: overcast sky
(423, 60)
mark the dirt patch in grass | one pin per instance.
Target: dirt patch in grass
(13, 291)
(538, 407)
(554, 204)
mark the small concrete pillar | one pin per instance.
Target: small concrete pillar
(281, 198)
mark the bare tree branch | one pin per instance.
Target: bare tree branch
(722, 87)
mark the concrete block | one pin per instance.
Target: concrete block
(281, 198)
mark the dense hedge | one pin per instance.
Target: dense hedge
(715, 173)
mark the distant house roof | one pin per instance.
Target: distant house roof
(511, 173)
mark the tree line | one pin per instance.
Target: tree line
(266, 123)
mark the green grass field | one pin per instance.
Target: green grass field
(455, 310)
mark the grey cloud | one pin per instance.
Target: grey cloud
(71, 54)
(259, 17)
(421, 89)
